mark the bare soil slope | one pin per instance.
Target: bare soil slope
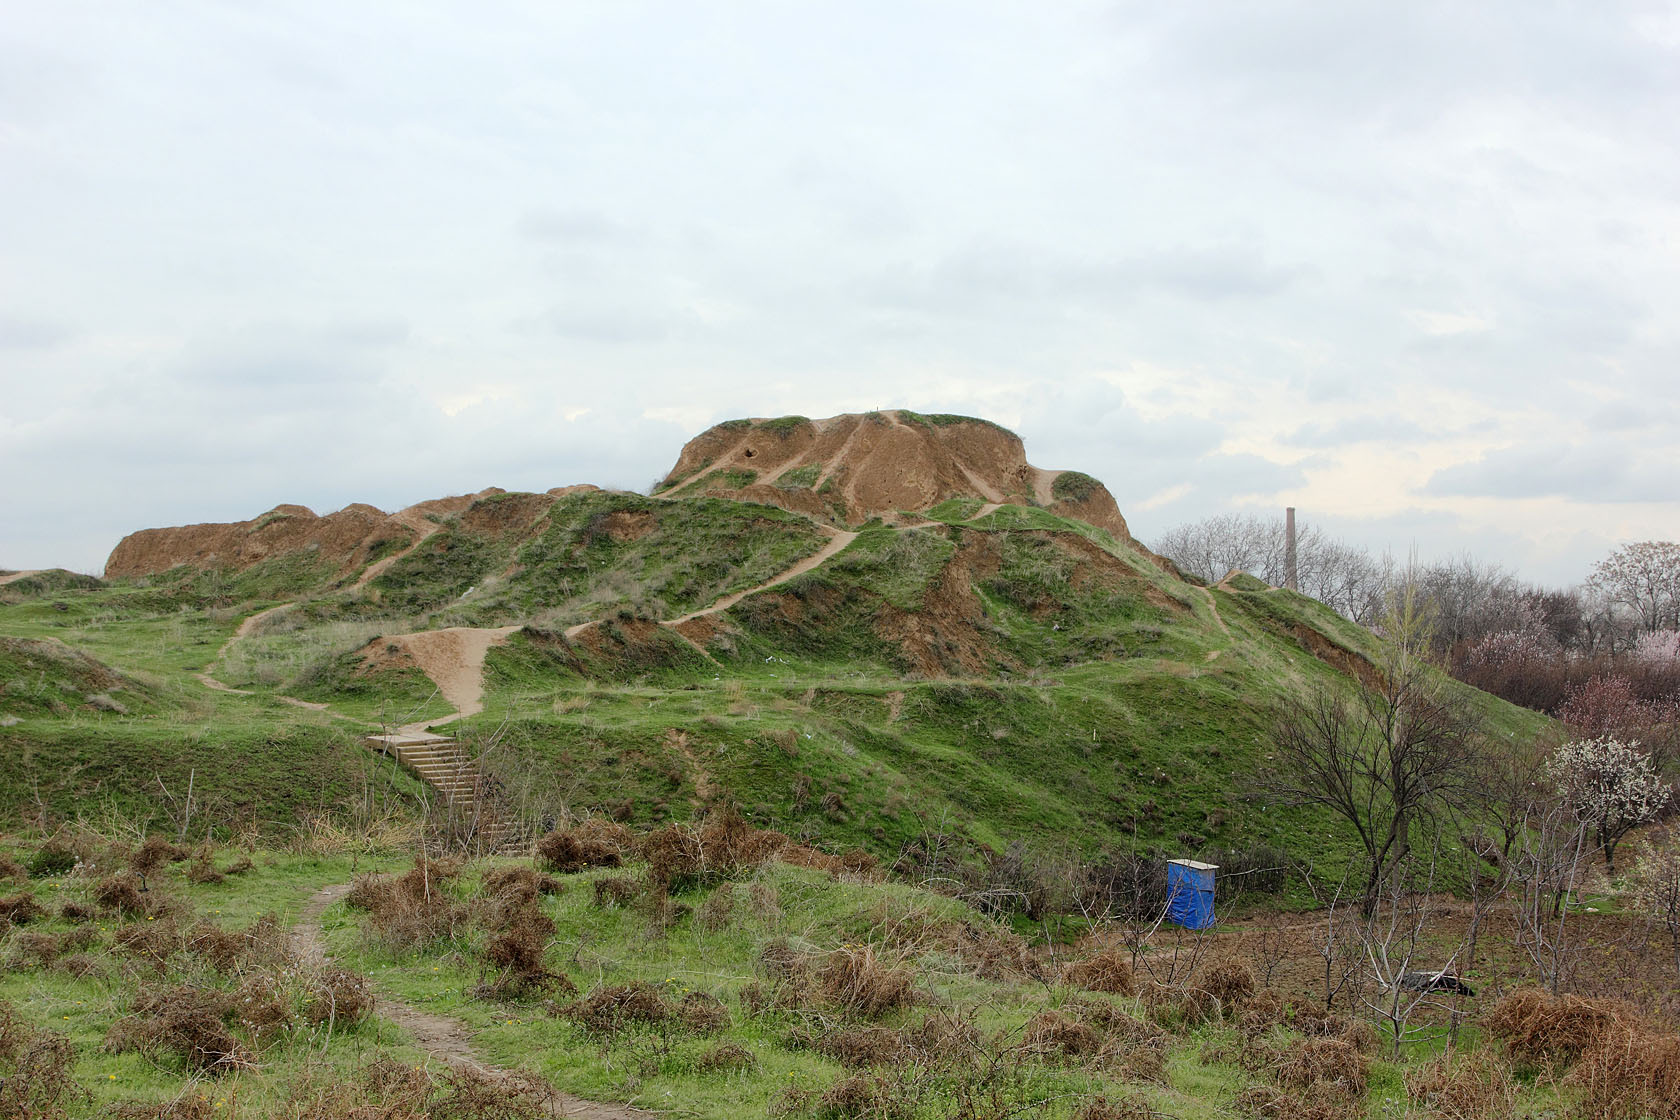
(853, 467)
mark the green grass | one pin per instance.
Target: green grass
(1072, 486)
(799, 478)
(730, 478)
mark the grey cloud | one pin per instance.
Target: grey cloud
(1588, 473)
(1361, 429)
(573, 228)
(22, 333)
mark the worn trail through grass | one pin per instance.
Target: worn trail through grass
(443, 1038)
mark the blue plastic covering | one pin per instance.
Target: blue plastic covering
(1190, 893)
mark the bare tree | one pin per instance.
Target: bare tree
(1544, 868)
(1656, 889)
(1392, 761)
(1342, 576)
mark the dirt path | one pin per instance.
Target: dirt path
(454, 659)
(1213, 605)
(989, 507)
(443, 1038)
(838, 539)
(1042, 482)
(13, 577)
(422, 529)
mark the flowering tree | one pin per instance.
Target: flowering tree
(1609, 786)
(1645, 578)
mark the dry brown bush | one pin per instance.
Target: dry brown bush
(40, 1084)
(519, 953)
(854, 1048)
(240, 866)
(185, 1021)
(724, 845)
(262, 1006)
(864, 1097)
(11, 868)
(615, 890)
(1129, 1107)
(33, 950)
(412, 909)
(1229, 982)
(505, 891)
(727, 1058)
(1273, 1104)
(859, 980)
(592, 842)
(1540, 1030)
(121, 894)
(154, 854)
(702, 1013)
(20, 909)
(152, 941)
(1322, 1067)
(1474, 1086)
(262, 944)
(203, 872)
(1055, 1036)
(1108, 971)
(192, 1104)
(1629, 1073)
(84, 966)
(607, 1010)
(72, 911)
(339, 999)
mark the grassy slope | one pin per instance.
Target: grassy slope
(1022, 677)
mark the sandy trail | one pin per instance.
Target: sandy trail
(1213, 604)
(1042, 482)
(18, 575)
(454, 659)
(443, 1038)
(422, 529)
(987, 490)
(989, 507)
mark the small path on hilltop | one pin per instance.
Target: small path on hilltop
(447, 1039)
(989, 507)
(14, 576)
(838, 539)
(1213, 604)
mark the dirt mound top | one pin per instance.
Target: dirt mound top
(854, 467)
(344, 541)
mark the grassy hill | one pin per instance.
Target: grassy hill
(1013, 678)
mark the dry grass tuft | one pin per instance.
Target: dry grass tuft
(1108, 971)
(857, 979)
(519, 952)
(681, 856)
(728, 1058)
(40, 1084)
(412, 909)
(1540, 1031)
(608, 1010)
(1322, 1068)
(1474, 1086)
(20, 909)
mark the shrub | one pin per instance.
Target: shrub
(1108, 971)
(727, 1058)
(518, 952)
(682, 856)
(11, 868)
(594, 842)
(1540, 1031)
(120, 894)
(858, 980)
(614, 890)
(40, 1082)
(607, 1010)
(55, 857)
(339, 999)
(1474, 1086)
(20, 909)
(186, 1021)
(1322, 1067)
(412, 909)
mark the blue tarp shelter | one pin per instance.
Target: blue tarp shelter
(1190, 893)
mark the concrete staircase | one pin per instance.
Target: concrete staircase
(443, 764)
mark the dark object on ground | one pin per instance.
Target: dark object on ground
(1442, 981)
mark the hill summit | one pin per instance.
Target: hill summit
(844, 470)
(853, 467)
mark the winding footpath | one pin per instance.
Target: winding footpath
(441, 1037)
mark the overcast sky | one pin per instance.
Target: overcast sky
(1410, 267)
